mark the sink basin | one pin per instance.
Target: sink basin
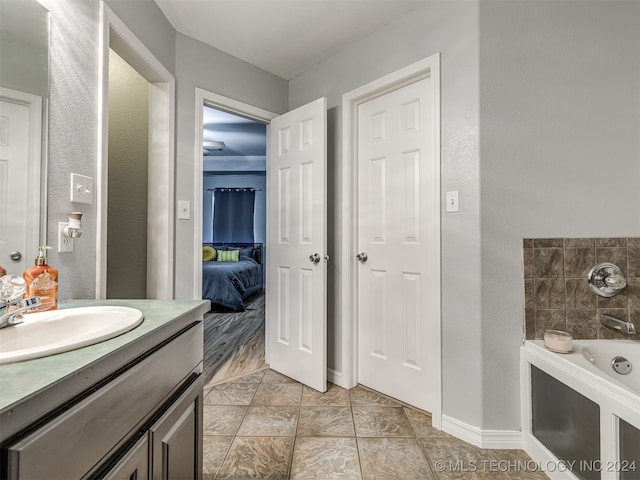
(57, 331)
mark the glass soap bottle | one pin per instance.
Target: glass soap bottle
(42, 281)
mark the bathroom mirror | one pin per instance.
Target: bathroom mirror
(24, 92)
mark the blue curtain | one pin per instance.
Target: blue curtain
(233, 210)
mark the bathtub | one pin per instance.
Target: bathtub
(557, 386)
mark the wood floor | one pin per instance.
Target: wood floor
(234, 342)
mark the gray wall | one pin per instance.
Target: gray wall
(73, 139)
(560, 152)
(128, 174)
(24, 33)
(199, 65)
(450, 28)
(146, 20)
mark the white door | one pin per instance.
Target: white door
(398, 212)
(20, 127)
(296, 320)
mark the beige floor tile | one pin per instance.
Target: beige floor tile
(222, 419)
(231, 394)
(215, 448)
(271, 376)
(392, 458)
(523, 474)
(269, 422)
(516, 464)
(255, 377)
(325, 422)
(334, 396)
(452, 458)
(258, 457)
(324, 444)
(325, 458)
(363, 397)
(278, 394)
(421, 423)
(381, 422)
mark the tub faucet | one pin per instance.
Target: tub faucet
(617, 324)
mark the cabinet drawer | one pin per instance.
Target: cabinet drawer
(74, 442)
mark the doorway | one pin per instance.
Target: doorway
(391, 244)
(159, 225)
(295, 320)
(128, 168)
(222, 163)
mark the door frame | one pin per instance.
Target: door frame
(426, 68)
(236, 107)
(115, 34)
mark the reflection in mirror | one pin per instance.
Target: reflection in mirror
(24, 90)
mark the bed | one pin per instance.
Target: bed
(228, 284)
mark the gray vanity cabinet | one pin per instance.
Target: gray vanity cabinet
(134, 465)
(169, 449)
(175, 439)
(142, 421)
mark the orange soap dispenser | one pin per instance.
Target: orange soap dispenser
(42, 281)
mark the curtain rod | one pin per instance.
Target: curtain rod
(234, 188)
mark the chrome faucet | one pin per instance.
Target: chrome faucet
(12, 303)
(11, 310)
(617, 324)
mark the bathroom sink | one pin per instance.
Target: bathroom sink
(57, 331)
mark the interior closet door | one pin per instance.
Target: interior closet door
(296, 297)
(397, 235)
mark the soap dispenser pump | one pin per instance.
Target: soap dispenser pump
(42, 281)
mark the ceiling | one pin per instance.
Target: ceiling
(284, 37)
(242, 137)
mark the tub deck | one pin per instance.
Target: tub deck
(616, 399)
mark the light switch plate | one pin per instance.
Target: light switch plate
(81, 189)
(184, 209)
(65, 244)
(453, 201)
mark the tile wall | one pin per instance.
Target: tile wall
(557, 295)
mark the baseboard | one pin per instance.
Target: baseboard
(335, 377)
(497, 439)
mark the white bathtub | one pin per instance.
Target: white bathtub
(587, 370)
(600, 353)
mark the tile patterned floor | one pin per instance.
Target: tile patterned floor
(267, 426)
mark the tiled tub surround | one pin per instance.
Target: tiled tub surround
(557, 295)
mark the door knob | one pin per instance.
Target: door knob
(15, 256)
(315, 258)
(362, 257)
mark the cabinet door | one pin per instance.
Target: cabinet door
(134, 465)
(176, 438)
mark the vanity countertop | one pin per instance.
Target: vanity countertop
(29, 389)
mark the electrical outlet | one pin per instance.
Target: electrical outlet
(65, 244)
